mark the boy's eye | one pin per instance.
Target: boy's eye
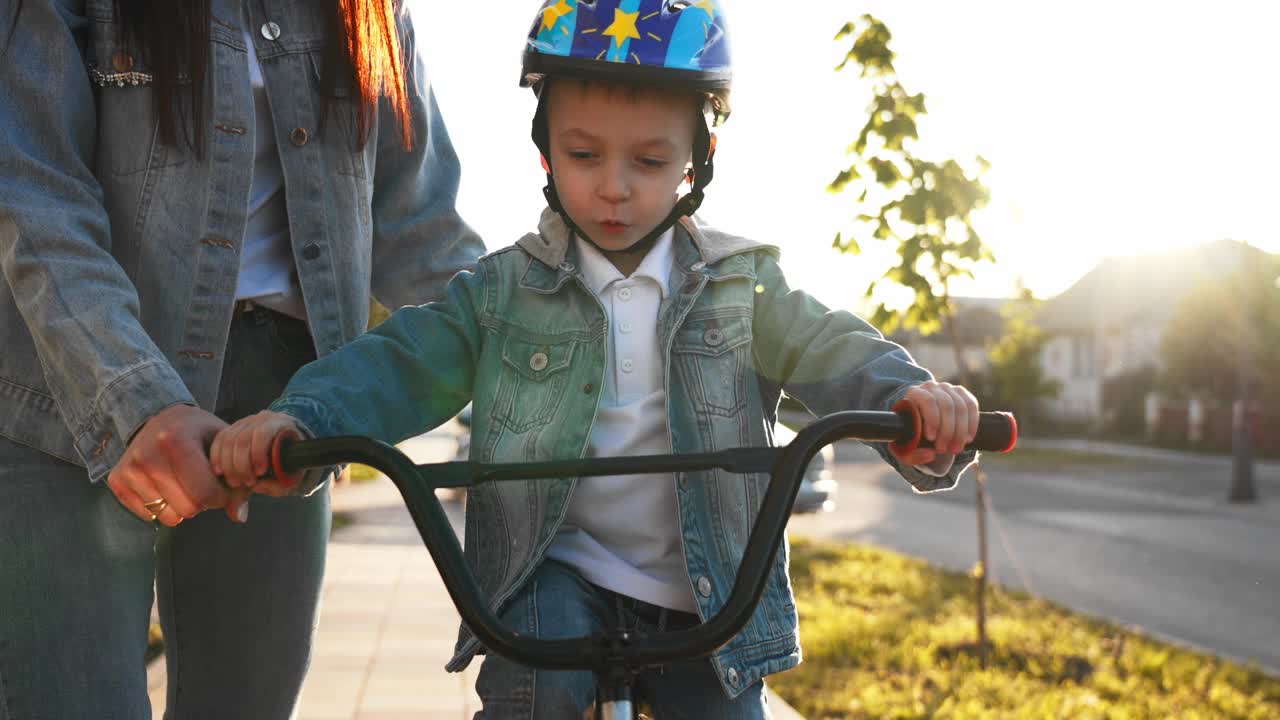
(653, 162)
(581, 154)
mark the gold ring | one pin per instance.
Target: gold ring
(155, 507)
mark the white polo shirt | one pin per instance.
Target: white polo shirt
(623, 532)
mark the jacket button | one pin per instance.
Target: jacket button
(697, 266)
(122, 62)
(732, 676)
(538, 362)
(713, 337)
(270, 31)
(704, 586)
(311, 252)
(298, 136)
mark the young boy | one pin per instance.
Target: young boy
(622, 327)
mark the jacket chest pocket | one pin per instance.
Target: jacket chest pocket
(341, 133)
(713, 357)
(531, 383)
(128, 127)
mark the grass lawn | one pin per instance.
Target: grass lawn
(887, 636)
(362, 473)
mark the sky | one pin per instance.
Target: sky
(1114, 128)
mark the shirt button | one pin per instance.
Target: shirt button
(697, 266)
(311, 252)
(298, 136)
(270, 31)
(625, 327)
(732, 676)
(704, 586)
(538, 362)
(122, 62)
(588, 388)
(628, 365)
(624, 294)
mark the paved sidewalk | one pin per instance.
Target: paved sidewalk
(387, 626)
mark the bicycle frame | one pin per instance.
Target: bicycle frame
(616, 656)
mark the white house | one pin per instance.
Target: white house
(1111, 320)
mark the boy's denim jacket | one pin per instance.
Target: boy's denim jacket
(523, 338)
(120, 253)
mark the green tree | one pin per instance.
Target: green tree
(922, 205)
(1017, 380)
(1224, 343)
(1225, 326)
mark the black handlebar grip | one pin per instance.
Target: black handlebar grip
(997, 432)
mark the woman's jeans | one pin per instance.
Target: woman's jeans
(559, 603)
(238, 604)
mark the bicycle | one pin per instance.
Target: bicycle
(615, 656)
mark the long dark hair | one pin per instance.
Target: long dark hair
(362, 53)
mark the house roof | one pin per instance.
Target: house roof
(1122, 291)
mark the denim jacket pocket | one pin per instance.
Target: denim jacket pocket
(712, 353)
(127, 120)
(339, 128)
(532, 382)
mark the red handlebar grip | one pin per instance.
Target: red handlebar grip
(277, 467)
(997, 432)
(903, 448)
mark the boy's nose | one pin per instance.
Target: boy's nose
(614, 186)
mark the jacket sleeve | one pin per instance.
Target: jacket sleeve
(80, 308)
(419, 240)
(400, 379)
(832, 360)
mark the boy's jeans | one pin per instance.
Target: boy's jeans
(559, 603)
(237, 603)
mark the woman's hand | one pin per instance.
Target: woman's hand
(164, 475)
(949, 419)
(241, 454)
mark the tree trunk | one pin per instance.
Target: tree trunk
(1242, 489)
(980, 492)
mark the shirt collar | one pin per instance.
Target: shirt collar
(600, 273)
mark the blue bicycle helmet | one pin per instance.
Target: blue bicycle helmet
(674, 44)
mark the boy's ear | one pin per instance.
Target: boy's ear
(711, 152)
(546, 166)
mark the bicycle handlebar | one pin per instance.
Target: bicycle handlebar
(786, 465)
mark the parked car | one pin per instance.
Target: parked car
(817, 487)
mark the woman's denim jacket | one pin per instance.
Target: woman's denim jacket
(120, 253)
(524, 339)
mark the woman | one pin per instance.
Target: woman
(196, 198)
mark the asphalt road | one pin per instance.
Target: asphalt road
(1144, 541)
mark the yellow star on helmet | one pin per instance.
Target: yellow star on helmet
(623, 27)
(552, 15)
(707, 6)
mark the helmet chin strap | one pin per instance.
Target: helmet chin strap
(704, 149)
